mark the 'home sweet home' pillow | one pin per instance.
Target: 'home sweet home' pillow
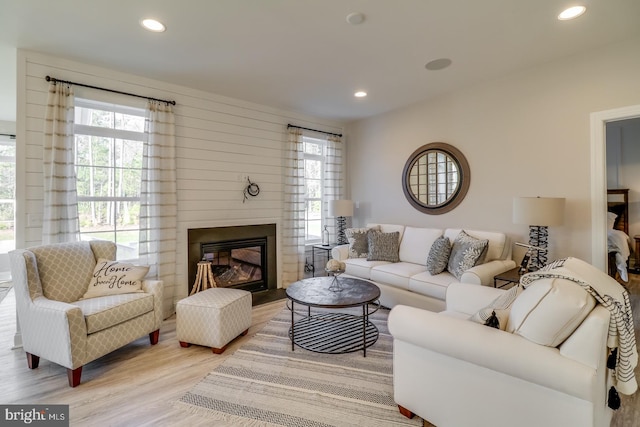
(113, 277)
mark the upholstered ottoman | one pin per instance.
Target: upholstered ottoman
(213, 318)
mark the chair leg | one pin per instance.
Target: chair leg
(404, 411)
(33, 361)
(216, 350)
(221, 350)
(73, 375)
(154, 336)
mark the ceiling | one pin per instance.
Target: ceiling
(303, 55)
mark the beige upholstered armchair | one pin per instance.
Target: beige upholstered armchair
(60, 326)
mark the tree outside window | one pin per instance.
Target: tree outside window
(109, 146)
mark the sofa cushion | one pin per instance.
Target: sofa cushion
(384, 246)
(360, 267)
(359, 241)
(65, 269)
(416, 243)
(104, 312)
(438, 257)
(434, 286)
(115, 277)
(498, 248)
(549, 310)
(466, 252)
(396, 274)
(501, 306)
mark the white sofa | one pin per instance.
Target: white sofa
(455, 372)
(408, 282)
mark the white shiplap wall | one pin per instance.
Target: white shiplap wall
(220, 141)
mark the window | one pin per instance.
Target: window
(314, 155)
(7, 193)
(109, 142)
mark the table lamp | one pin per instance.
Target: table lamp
(538, 213)
(340, 209)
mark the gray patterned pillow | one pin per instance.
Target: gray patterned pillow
(358, 241)
(439, 255)
(384, 246)
(466, 252)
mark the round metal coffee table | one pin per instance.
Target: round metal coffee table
(332, 331)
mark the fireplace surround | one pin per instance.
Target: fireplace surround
(250, 250)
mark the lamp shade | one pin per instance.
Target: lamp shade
(340, 208)
(538, 211)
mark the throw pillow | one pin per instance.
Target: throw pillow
(384, 246)
(466, 252)
(113, 277)
(611, 220)
(617, 210)
(439, 255)
(358, 241)
(549, 310)
(496, 314)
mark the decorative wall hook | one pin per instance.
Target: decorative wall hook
(252, 189)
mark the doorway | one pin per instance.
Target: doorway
(7, 201)
(599, 121)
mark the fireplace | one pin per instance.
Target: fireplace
(242, 257)
(238, 263)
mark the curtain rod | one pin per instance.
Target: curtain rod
(54, 80)
(314, 130)
(10, 135)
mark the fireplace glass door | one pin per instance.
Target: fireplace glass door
(238, 264)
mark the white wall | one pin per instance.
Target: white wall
(623, 165)
(527, 134)
(219, 142)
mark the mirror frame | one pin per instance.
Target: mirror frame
(457, 197)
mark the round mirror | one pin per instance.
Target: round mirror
(436, 178)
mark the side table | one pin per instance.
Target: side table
(508, 277)
(326, 248)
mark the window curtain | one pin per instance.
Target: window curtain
(158, 206)
(293, 233)
(333, 183)
(60, 221)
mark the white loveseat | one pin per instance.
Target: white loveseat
(408, 282)
(455, 372)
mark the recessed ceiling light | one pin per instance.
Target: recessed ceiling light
(572, 12)
(438, 64)
(360, 94)
(152, 25)
(355, 18)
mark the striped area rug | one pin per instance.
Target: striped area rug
(264, 383)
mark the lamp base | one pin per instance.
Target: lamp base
(538, 237)
(341, 238)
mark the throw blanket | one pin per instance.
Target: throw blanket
(612, 296)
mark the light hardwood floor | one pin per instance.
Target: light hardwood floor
(137, 384)
(133, 386)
